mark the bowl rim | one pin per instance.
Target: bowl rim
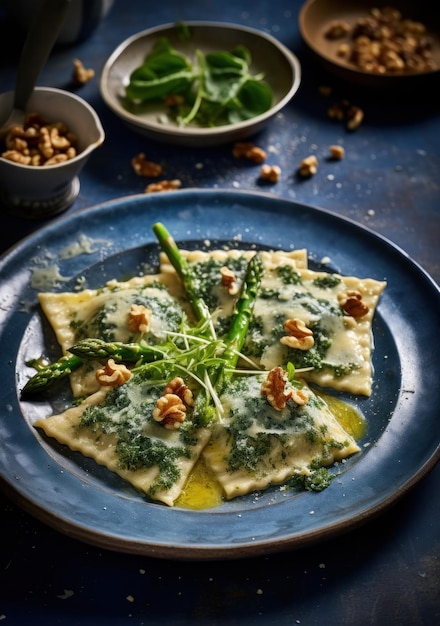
(219, 131)
(343, 66)
(81, 155)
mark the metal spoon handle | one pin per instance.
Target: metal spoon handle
(41, 37)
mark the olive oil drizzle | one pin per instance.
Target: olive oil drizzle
(202, 491)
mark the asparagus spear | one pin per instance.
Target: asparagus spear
(48, 375)
(182, 268)
(243, 312)
(120, 352)
(208, 404)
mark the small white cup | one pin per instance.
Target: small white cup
(39, 191)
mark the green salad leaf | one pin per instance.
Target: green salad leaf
(164, 71)
(217, 89)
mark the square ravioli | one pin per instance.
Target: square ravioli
(255, 445)
(116, 428)
(104, 313)
(334, 311)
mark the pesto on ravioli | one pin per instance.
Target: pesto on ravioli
(103, 313)
(205, 268)
(341, 355)
(115, 427)
(247, 441)
(255, 445)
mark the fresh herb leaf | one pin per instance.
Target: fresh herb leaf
(254, 97)
(164, 71)
(218, 89)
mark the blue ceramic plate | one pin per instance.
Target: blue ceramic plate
(84, 500)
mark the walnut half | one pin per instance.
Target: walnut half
(274, 388)
(113, 374)
(228, 280)
(351, 303)
(299, 336)
(139, 318)
(178, 387)
(143, 167)
(247, 150)
(170, 409)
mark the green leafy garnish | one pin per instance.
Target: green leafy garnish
(217, 89)
(164, 71)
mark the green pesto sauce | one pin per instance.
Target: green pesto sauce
(206, 276)
(255, 427)
(141, 442)
(257, 340)
(327, 282)
(288, 275)
(318, 479)
(107, 324)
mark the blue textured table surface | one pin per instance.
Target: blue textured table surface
(387, 571)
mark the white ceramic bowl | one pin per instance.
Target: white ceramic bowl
(280, 67)
(35, 192)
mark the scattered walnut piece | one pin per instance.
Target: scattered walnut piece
(299, 396)
(139, 318)
(246, 150)
(228, 280)
(351, 302)
(274, 388)
(113, 374)
(337, 29)
(163, 185)
(81, 75)
(299, 335)
(337, 152)
(170, 411)
(355, 115)
(39, 143)
(337, 111)
(146, 168)
(270, 173)
(179, 388)
(308, 166)
(345, 111)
